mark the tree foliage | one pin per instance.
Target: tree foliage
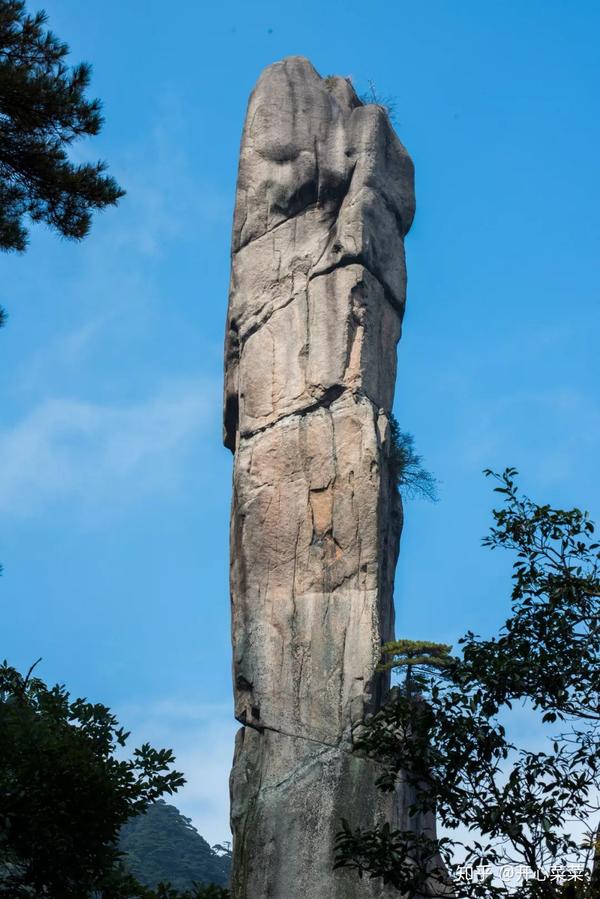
(407, 470)
(65, 792)
(43, 110)
(418, 658)
(532, 807)
(163, 846)
(134, 890)
(387, 103)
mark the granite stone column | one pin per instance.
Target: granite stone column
(318, 281)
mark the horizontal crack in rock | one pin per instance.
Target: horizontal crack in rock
(341, 746)
(330, 395)
(359, 259)
(323, 403)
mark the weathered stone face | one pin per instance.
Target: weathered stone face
(324, 199)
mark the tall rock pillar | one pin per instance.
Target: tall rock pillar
(324, 199)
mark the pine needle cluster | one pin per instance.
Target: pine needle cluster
(43, 110)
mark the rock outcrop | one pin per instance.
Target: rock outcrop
(324, 199)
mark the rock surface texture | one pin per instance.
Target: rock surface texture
(324, 199)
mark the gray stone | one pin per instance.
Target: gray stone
(324, 199)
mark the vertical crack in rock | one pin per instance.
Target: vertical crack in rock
(318, 281)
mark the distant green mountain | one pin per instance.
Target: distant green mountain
(163, 845)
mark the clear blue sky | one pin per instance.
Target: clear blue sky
(114, 488)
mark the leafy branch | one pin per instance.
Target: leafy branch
(445, 740)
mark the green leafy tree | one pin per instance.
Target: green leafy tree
(135, 890)
(538, 809)
(65, 792)
(208, 891)
(43, 111)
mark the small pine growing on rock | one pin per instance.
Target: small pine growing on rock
(419, 659)
(408, 472)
